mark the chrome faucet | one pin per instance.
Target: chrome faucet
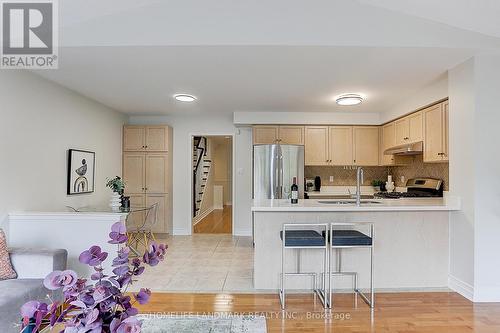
(359, 181)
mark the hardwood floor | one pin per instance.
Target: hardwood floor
(217, 222)
(439, 312)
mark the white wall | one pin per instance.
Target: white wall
(433, 92)
(223, 167)
(186, 126)
(462, 180)
(474, 166)
(487, 180)
(39, 122)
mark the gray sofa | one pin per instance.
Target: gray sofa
(31, 266)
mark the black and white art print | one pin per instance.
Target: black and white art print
(81, 171)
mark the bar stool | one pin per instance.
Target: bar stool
(304, 236)
(347, 238)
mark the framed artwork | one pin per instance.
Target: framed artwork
(81, 171)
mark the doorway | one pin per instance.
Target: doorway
(212, 184)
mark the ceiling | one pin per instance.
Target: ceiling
(239, 78)
(274, 55)
(474, 15)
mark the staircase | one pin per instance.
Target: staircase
(201, 171)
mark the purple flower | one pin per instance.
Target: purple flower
(29, 308)
(93, 256)
(143, 296)
(122, 257)
(128, 325)
(118, 233)
(120, 271)
(58, 279)
(101, 293)
(155, 254)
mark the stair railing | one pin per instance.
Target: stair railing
(200, 147)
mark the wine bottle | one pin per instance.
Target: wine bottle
(295, 191)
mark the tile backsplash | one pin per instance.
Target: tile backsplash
(346, 176)
(420, 169)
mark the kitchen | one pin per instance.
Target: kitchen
(394, 175)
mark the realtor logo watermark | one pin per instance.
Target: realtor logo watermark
(29, 34)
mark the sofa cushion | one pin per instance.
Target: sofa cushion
(6, 270)
(13, 294)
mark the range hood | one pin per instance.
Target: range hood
(416, 148)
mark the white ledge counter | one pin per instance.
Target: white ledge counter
(72, 231)
(411, 242)
(368, 205)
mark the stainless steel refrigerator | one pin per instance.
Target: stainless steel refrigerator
(274, 167)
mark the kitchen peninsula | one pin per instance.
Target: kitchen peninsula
(411, 241)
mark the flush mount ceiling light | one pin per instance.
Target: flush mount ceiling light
(184, 98)
(349, 99)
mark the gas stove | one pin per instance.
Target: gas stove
(416, 188)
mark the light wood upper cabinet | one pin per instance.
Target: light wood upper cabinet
(145, 138)
(446, 131)
(366, 145)
(340, 145)
(285, 134)
(156, 173)
(156, 138)
(434, 133)
(134, 138)
(415, 124)
(402, 131)
(408, 129)
(265, 134)
(291, 135)
(316, 145)
(387, 140)
(133, 172)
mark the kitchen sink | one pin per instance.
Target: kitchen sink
(347, 202)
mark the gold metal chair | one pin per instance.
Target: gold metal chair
(142, 234)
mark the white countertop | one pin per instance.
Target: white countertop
(449, 203)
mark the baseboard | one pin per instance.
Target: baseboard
(180, 232)
(203, 215)
(242, 232)
(461, 287)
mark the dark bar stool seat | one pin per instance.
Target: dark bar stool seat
(304, 236)
(345, 236)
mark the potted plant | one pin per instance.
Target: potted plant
(117, 185)
(99, 306)
(379, 185)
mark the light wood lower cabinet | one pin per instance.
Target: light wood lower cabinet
(136, 219)
(157, 171)
(163, 221)
(134, 169)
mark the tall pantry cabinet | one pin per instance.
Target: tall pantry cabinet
(147, 171)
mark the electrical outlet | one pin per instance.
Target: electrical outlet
(331, 179)
(402, 178)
